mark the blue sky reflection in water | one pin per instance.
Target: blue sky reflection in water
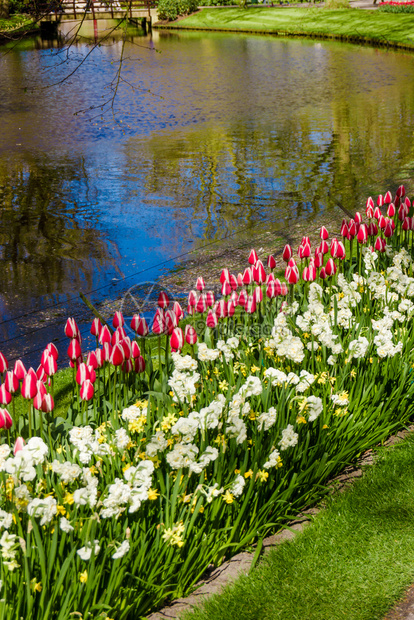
(210, 133)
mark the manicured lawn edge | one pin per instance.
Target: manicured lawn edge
(355, 560)
(275, 22)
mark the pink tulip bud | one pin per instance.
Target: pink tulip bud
(200, 286)
(5, 396)
(104, 335)
(226, 288)
(50, 365)
(192, 298)
(388, 231)
(352, 229)
(106, 351)
(304, 250)
(178, 311)
(270, 278)
(52, 350)
(247, 276)
(372, 229)
(142, 328)
(5, 419)
(330, 267)
(250, 306)
(322, 273)
(11, 382)
(380, 244)
(163, 300)
(391, 210)
(47, 403)
(243, 298)
(190, 334)
(117, 355)
(4, 364)
(324, 235)
(344, 230)
(253, 258)
(400, 191)
(71, 328)
(170, 321)
(128, 365)
(74, 350)
(258, 294)
(92, 360)
(139, 364)
(158, 325)
(37, 401)
(318, 260)
(287, 253)
(20, 370)
(118, 320)
(334, 247)
(99, 358)
(324, 247)
(388, 198)
(406, 225)
(305, 240)
(18, 445)
(292, 274)
(380, 200)
(92, 374)
(177, 339)
(212, 320)
(271, 290)
(240, 279)
(225, 276)
(221, 309)
(340, 252)
(96, 327)
(233, 282)
(126, 347)
(271, 262)
(231, 308)
(201, 306)
(362, 235)
(87, 390)
(136, 352)
(82, 373)
(358, 218)
(29, 385)
(306, 275)
(407, 202)
(209, 297)
(258, 272)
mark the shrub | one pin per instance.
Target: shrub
(337, 4)
(171, 9)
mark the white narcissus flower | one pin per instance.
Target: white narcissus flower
(121, 551)
(65, 525)
(85, 552)
(45, 508)
(289, 438)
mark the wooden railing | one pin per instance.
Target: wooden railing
(96, 7)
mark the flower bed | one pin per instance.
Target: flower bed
(171, 457)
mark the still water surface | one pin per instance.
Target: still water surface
(208, 134)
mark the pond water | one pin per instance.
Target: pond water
(208, 134)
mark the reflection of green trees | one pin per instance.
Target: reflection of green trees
(47, 246)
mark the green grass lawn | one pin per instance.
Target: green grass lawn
(14, 22)
(352, 562)
(350, 24)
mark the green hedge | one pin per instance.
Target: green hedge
(171, 9)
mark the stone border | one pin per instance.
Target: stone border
(216, 578)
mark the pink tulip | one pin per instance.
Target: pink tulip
(139, 364)
(304, 251)
(324, 235)
(391, 210)
(96, 327)
(50, 365)
(209, 299)
(74, 350)
(388, 231)
(4, 364)
(92, 374)
(243, 297)
(372, 229)
(247, 276)
(407, 202)
(20, 370)
(380, 200)
(104, 335)
(225, 276)
(258, 294)
(362, 235)
(190, 335)
(225, 289)
(283, 289)
(340, 252)
(271, 290)
(92, 360)
(142, 328)
(158, 325)
(5, 419)
(344, 230)
(324, 247)
(322, 273)
(118, 335)
(270, 278)
(128, 365)
(29, 385)
(163, 300)
(334, 247)
(233, 282)
(99, 358)
(126, 347)
(380, 244)
(201, 306)
(271, 262)
(18, 445)
(358, 218)
(240, 279)
(118, 320)
(250, 305)
(318, 260)
(388, 197)
(11, 382)
(287, 253)
(231, 308)
(47, 403)
(87, 390)
(200, 286)
(177, 339)
(292, 274)
(352, 229)
(136, 351)
(52, 350)
(178, 311)
(106, 351)
(403, 211)
(170, 321)
(330, 267)
(400, 191)
(37, 401)
(212, 320)
(406, 225)
(221, 309)
(117, 355)
(5, 396)
(192, 298)
(253, 258)
(82, 373)
(258, 272)
(71, 328)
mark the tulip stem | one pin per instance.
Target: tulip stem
(30, 417)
